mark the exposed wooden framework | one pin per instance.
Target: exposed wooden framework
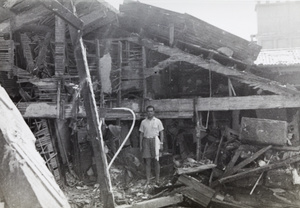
(64, 13)
(169, 108)
(103, 177)
(177, 55)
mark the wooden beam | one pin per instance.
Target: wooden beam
(63, 12)
(21, 165)
(29, 17)
(100, 22)
(60, 30)
(233, 160)
(171, 108)
(158, 202)
(197, 169)
(258, 170)
(40, 60)
(103, 177)
(242, 76)
(247, 161)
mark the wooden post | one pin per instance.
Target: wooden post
(93, 120)
(171, 34)
(119, 95)
(99, 72)
(236, 113)
(198, 130)
(144, 78)
(60, 39)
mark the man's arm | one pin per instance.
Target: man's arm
(161, 136)
(141, 140)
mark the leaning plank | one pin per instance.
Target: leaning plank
(244, 77)
(196, 196)
(190, 170)
(196, 190)
(21, 165)
(224, 204)
(158, 202)
(103, 177)
(248, 160)
(63, 12)
(233, 161)
(253, 171)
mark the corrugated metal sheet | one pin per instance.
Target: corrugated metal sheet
(279, 57)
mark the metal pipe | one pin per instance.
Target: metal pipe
(127, 136)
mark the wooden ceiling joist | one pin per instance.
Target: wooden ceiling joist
(31, 16)
(242, 76)
(64, 13)
(169, 108)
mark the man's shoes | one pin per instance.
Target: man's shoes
(157, 184)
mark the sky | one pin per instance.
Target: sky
(234, 16)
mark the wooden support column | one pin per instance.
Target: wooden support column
(236, 113)
(99, 72)
(60, 39)
(93, 120)
(25, 41)
(119, 95)
(144, 78)
(171, 34)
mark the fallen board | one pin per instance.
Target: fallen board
(158, 202)
(25, 180)
(263, 131)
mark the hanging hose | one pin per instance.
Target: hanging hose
(127, 136)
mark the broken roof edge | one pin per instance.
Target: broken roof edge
(155, 21)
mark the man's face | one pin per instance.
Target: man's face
(150, 112)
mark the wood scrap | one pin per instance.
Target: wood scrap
(278, 164)
(247, 161)
(190, 170)
(158, 202)
(196, 191)
(233, 161)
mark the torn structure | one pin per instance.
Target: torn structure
(66, 67)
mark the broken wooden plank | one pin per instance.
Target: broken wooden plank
(155, 22)
(248, 173)
(59, 56)
(196, 191)
(97, 19)
(263, 131)
(244, 77)
(21, 165)
(233, 161)
(40, 60)
(216, 159)
(225, 204)
(190, 170)
(196, 196)
(64, 13)
(248, 160)
(103, 177)
(25, 42)
(171, 108)
(158, 202)
(30, 16)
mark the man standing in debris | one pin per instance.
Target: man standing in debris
(151, 140)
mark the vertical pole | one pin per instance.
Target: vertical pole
(171, 34)
(99, 72)
(120, 60)
(93, 120)
(144, 65)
